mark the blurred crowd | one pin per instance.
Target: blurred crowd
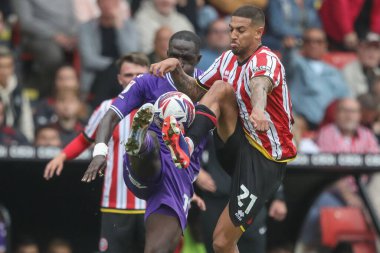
(57, 64)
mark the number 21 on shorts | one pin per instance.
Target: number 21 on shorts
(245, 195)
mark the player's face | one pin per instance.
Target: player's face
(245, 36)
(186, 53)
(128, 71)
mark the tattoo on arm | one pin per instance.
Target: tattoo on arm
(106, 127)
(187, 84)
(260, 87)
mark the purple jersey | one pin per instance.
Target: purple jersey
(173, 188)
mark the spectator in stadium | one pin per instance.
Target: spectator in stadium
(313, 83)
(101, 42)
(48, 136)
(218, 41)
(27, 245)
(49, 31)
(161, 42)
(199, 13)
(5, 32)
(345, 135)
(360, 74)
(59, 246)
(154, 14)
(5, 8)
(9, 135)
(67, 108)
(348, 21)
(287, 21)
(370, 109)
(216, 196)
(18, 113)
(65, 79)
(229, 6)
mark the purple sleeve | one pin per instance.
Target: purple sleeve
(132, 97)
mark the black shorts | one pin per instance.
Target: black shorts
(254, 177)
(122, 233)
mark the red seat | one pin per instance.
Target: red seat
(346, 224)
(339, 59)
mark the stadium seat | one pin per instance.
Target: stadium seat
(339, 59)
(346, 224)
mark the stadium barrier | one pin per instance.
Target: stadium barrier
(66, 207)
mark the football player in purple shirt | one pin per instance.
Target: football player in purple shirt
(149, 170)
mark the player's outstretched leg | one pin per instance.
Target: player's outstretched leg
(142, 146)
(217, 107)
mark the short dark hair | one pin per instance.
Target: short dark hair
(252, 12)
(135, 57)
(187, 36)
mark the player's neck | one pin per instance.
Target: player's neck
(243, 58)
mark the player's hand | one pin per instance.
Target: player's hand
(205, 181)
(165, 66)
(278, 210)
(97, 165)
(199, 202)
(259, 120)
(54, 166)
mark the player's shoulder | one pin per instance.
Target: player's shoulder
(264, 52)
(104, 105)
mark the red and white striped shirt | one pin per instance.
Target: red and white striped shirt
(115, 193)
(277, 143)
(331, 140)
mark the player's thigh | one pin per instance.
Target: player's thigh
(254, 181)
(221, 99)
(118, 233)
(226, 234)
(162, 233)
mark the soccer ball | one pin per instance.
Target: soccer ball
(177, 104)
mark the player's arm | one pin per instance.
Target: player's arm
(183, 82)
(260, 87)
(104, 133)
(130, 98)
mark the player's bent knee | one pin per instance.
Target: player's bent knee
(222, 90)
(221, 244)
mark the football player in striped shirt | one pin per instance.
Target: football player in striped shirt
(122, 225)
(149, 170)
(248, 100)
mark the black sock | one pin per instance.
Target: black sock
(204, 121)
